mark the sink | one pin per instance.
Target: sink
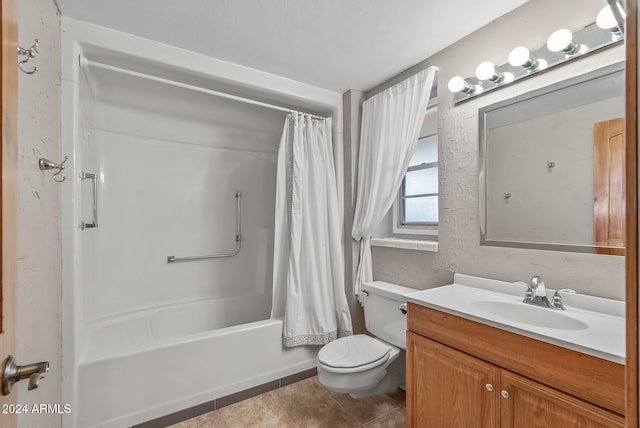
(531, 315)
(591, 325)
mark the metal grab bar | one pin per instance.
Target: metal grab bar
(173, 259)
(93, 177)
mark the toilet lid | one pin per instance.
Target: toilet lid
(353, 351)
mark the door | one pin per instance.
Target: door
(609, 189)
(8, 192)
(526, 403)
(447, 388)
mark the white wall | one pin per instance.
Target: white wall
(459, 249)
(39, 251)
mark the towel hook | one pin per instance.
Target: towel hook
(30, 54)
(46, 165)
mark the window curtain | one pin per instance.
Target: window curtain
(308, 275)
(391, 122)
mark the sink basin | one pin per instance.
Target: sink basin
(591, 325)
(533, 315)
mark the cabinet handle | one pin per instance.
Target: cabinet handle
(489, 387)
(504, 394)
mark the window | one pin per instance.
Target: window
(416, 209)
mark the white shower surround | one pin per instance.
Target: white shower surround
(111, 378)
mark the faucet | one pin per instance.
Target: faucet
(557, 303)
(536, 293)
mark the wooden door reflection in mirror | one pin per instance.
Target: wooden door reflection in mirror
(609, 187)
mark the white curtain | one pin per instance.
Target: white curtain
(308, 274)
(391, 122)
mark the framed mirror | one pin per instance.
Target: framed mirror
(552, 166)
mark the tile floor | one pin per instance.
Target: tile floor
(306, 404)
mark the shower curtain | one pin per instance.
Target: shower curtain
(308, 273)
(391, 121)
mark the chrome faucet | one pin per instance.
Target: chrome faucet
(556, 302)
(537, 293)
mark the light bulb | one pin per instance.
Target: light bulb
(605, 18)
(519, 56)
(456, 84)
(560, 40)
(508, 77)
(485, 70)
(607, 21)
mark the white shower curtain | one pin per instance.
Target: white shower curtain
(308, 274)
(391, 122)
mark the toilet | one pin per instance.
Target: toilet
(362, 365)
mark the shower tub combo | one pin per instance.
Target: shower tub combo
(164, 168)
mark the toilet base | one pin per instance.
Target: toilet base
(385, 386)
(366, 384)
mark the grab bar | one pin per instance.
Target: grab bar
(93, 177)
(173, 259)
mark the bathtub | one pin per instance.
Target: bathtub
(152, 363)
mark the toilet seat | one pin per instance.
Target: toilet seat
(353, 354)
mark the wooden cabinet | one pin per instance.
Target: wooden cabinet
(447, 387)
(531, 404)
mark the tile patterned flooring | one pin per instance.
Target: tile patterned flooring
(306, 404)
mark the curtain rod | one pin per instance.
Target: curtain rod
(84, 62)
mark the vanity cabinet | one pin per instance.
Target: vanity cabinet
(531, 404)
(449, 388)
(465, 374)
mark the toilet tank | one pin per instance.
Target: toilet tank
(382, 314)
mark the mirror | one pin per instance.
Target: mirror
(552, 166)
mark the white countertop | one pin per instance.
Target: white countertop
(602, 334)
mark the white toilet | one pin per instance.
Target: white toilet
(361, 365)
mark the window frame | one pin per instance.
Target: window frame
(415, 228)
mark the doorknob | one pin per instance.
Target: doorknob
(13, 373)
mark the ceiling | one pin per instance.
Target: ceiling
(333, 44)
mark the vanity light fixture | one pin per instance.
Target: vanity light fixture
(607, 21)
(562, 45)
(458, 84)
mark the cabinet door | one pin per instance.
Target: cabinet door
(447, 388)
(526, 403)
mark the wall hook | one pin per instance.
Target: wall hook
(30, 54)
(550, 164)
(46, 165)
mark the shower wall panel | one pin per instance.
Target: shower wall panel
(166, 187)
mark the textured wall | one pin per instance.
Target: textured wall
(39, 249)
(459, 249)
